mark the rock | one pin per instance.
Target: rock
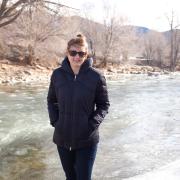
(166, 72)
(21, 152)
(120, 71)
(153, 73)
(49, 68)
(5, 81)
(147, 68)
(4, 67)
(27, 72)
(156, 69)
(39, 67)
(5, 61)
(110, 69)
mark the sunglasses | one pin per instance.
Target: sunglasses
(80, 53)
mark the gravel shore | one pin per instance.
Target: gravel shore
(12, 74)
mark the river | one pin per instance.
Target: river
(140, 134)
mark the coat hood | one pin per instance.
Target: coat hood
(84, 67)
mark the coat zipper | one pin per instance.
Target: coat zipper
(74, 77)
(70, 148)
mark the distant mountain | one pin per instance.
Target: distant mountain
(141, 30)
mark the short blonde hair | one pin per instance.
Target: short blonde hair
(79, 40)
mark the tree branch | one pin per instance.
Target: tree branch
(12, 19)
(58, 4)
(13, 7)
(9, 13)
(3, 7)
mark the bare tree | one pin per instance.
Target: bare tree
(154, 48)
(109, 40)
(40, 21)
(174, 41)
(115, 37)
(36, 26)
(149, 48)
(160, 51)
(89, 28)
(10, 10)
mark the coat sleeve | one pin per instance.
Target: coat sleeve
(101, 102)
(52, 103)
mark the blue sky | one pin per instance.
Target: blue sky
(148, 13)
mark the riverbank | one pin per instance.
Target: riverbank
(12, 73)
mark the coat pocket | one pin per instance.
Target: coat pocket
(82, 127)
(59, 124)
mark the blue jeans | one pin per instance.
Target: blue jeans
(78, 164)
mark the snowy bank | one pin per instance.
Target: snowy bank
(168, 172)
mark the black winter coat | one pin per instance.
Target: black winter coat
(77, 105)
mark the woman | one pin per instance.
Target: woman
(77, 104)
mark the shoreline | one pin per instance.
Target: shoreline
(18, 74)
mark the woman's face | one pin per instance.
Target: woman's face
(77, 55)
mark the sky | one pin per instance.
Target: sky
(147, 13)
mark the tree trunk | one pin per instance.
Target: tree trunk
(30, 56)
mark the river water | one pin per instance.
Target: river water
(141, 133)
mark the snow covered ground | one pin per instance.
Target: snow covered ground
(168, 172)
